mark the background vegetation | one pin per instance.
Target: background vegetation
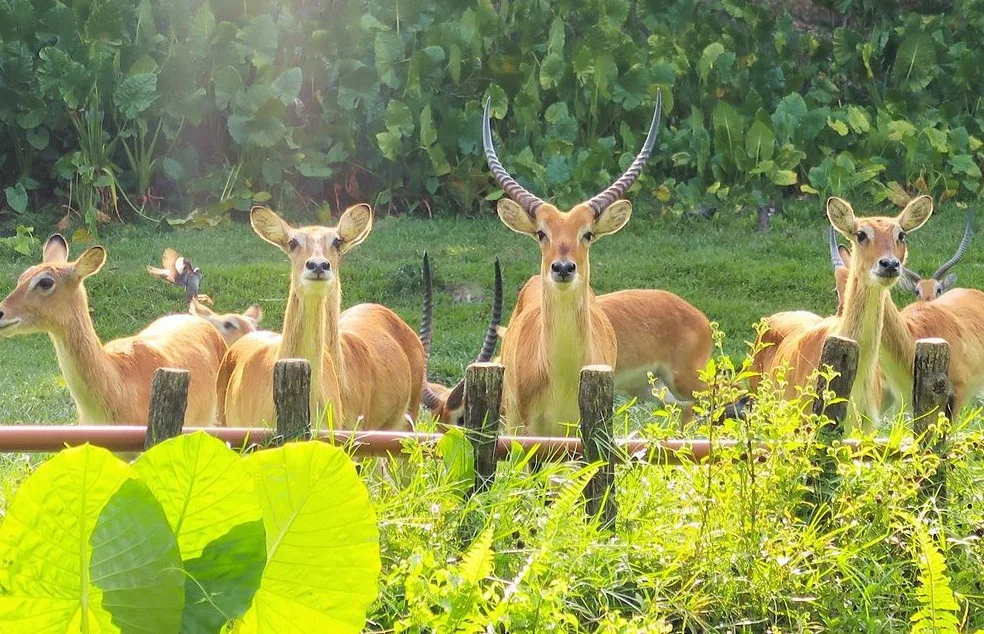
(126, 108)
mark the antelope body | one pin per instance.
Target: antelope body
(109, 383)
(879, 250)
(366, 360)
(549, 341)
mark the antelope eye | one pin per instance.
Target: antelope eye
(292, 244)
(588, 237)
(901, 236)
(46, 283)
(862, 236)
(541, 236)
(336, 243)
(229, 325)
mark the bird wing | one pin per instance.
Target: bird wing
(170, 258)
(164, 274)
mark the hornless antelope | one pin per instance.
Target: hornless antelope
(368, 362)
(448, 405)
(655, 331)
(879, 250)
(231, 326)
(929, 289)
(956, 317)
(109, 383)
(548, 342)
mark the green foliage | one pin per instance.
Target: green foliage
(938, 607)
(185, 538)
(164, 99)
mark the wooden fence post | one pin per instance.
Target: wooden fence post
(841, 354)
(596, 400)
(930, 399)
(292, 399)
(483, 397)
(168, 402)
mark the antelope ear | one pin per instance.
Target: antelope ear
(515, 217)
(841, 216)
(254, 313)
(845, 254)
(916, 213)
(949, 281)
(195, 308)
(55, 250)
(354, 226)
(613, 218)
(269, 226)
(90, 262)
(456, 396)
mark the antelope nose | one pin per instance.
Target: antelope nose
(317, 266)
(1, 314)
(890, 265)
(562, 270)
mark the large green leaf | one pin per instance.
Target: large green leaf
(760, 142)
(86, 547)
(915, 62)
(136, 93)
(210, 502)
(288, 85)
(322, 542)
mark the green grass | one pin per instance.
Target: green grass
(723, 266)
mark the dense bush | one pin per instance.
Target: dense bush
(109, 105)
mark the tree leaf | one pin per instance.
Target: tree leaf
(399, 119)
(552, 71)
(428, 133)
(837, 126)
(323, 559)
(227, 83)
(84, 541)
(38, 137)
(16, 197)
(915, 61)
(287, 86)
(760, 142)
(858, 120)
(135, 93)
(389, 144)
(210, 502)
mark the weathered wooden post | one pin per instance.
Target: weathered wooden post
(292, 399)
(841, 354)
(596, 400)
(168, 402)
(930, 399)
(483, 397)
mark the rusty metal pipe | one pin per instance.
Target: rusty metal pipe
(45, 438)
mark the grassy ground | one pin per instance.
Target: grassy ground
(724, 267)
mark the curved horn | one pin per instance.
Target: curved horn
(430, 399)
(964, 243)
(913, 277)
(492, 334)
(600, 202)
(514, 190)
(835, 256)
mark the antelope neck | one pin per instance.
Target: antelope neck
(565, 332)
(303, 335)
(92, 378)
(898, 349)
(864, 305)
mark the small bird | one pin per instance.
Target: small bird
(179, 270)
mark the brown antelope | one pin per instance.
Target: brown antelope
(879, 250)
(940, 282)
(109, 383)
(955, 316)
(655, 332)
(548, 342)
(231, 326)
(448, 405)
(368, 362)
(791, 322)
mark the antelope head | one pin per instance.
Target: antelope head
(47, 293)
(926, 290)
(231, 326)
(566, 236)
(314, 252)
(879, 243)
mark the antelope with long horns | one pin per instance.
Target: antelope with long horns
(926, 290)
(110, 383)
(548, 342)
(448, 405)
(368, 362)
(879, 249)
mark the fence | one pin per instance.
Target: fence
(483, 393)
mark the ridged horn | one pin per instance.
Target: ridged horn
(835, 256)
(430, 399)
(961, 249)
(513, 190)
(492, 334)
(600, 202)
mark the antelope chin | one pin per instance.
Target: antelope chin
(8, 327)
